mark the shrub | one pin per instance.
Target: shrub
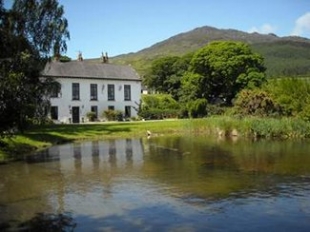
(158, 106)
(305, 113)
(255, 102)
(197, 108)
(216, 109)
(292, 94)
(113, 115)
(91, 116)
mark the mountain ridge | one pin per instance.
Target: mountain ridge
(290, 48)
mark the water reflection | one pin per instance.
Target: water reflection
(186, 178)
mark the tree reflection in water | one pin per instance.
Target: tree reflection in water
(44, 222)
(164, 183)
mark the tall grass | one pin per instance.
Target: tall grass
(251, 127)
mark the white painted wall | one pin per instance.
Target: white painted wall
(65, 103)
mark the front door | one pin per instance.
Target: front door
(76, 114)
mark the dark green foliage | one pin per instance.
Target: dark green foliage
(216, 109)
(164, 75)
(285, 58)
(28, 32)
(113, 115)
(255, 102)
(305, 113)
(160, 71)
(42, 23)
(193, 87)
(158, 106)
(91, 116)
(291, 94)
(64, 59)
(197, 108)
(221, 69)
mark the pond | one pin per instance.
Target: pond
(168, 183)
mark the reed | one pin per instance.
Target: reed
(252, 127)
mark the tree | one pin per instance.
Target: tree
(42, 23)
(161, 69)
(165, 74)
(226, 67)
(291, 94)
(28, 32)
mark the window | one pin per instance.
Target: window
(111, 107)
(56, 90)
(93, 92)
(111, 93)
(54, 112)
(75, 91)
(94, 109)
(127, 93)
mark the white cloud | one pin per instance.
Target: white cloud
(302, 25)
(264, 29)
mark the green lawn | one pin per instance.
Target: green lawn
(44, 136)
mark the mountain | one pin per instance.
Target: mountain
(284, 56)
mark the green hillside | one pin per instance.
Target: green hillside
(283, 55)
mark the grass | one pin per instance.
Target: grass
(41, 137)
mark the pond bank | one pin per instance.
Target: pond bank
(44, 136)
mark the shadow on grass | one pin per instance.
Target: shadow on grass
(42, 136)
(70, 131)
(15, 148)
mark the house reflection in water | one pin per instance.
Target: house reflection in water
(99, 156)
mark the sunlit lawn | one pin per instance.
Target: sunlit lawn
(44, 136)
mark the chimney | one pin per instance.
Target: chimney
(57, 57)
(80, 57)
(106, 57)
(103, 60)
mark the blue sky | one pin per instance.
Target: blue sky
(124, 26)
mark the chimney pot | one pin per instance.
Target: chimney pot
(80, 57)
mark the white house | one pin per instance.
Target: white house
(92, 86)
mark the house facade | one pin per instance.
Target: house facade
(90, 86)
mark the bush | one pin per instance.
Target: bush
(305, 114)
(158, 106)
(113, 115)
(255, 102)
(197, 108)
(216, 110)
(158, 113)
(91, 116)
(292, 94)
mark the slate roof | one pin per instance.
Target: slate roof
(90, 70)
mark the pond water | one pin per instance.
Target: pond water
(169, 183)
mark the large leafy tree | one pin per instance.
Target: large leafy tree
(29, 32)
(224, 68)
(160, 71)
(164, 75)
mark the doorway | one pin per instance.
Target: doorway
(75, 114)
